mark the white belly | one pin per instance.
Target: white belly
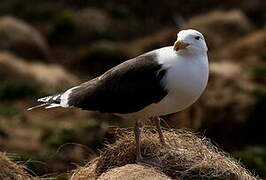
(188, 88)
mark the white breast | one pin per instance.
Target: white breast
(185, 80)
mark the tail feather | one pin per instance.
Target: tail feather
(50, 98)
(52, 106)
(48, 102)
(58, 100)
(38, 106)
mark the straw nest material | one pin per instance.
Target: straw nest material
(133, 172)
(11, 171)
(187, 156)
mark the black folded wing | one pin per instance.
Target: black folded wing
(126, 88)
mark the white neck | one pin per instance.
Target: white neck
(191, 53)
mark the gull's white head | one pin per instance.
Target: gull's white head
(190, 42)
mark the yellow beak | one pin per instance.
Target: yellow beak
(180, 45)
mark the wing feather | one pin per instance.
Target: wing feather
(126, 88)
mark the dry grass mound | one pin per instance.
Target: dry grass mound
(187, 156)
(22, 39)
(11, 171)
(49, 77)
(253, 44)
(135, 171)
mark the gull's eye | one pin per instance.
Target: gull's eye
(197, 37)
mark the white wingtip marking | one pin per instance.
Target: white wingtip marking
(45, 99)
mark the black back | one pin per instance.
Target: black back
(126, 88)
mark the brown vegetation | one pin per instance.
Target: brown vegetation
(221, 27)
(21, 38)
(11, 171)
(49, 77)
(186, 156)
(85, 38)
(133, 172)
(253, 44)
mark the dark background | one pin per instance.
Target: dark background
(49, 46)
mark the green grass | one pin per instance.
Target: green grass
(105, 52)
(59, 137)
(259, 70)
(36, 166)
(3, 133)
(260, 95)
(64, 25)
(254, 158)
(14, 89)
(263, 57)
(90, 133)
(105, 34)
(62, 176)
(9, 110)
(120, 11)
(30, 164)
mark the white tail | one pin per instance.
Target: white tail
(36, 107)
(58, 100)
(48, 102)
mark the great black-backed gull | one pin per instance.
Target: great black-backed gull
(160, 82)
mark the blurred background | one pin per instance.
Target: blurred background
(48, 46)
